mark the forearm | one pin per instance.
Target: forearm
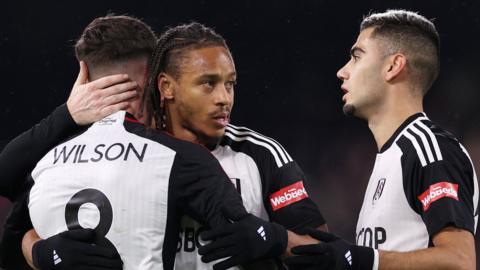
(299, 240)
(437, 258)
(453, 249)
(30, 238)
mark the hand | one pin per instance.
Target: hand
(333, 253)
(92, 101)
(76, 250)
(245, 240)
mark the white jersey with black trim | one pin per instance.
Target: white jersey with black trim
(271, 186)
(423, 181)
(132, 185)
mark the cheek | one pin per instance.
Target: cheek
(232, 99)
(192, 107)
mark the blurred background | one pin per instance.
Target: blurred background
(287, 54)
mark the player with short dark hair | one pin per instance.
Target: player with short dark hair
(118, 155)
(420, 206)
(198, 100)
(89, 101)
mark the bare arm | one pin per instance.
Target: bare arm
(453, 249)
(29, 239)
(298, 240)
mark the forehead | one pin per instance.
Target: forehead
(365, 40)
(212, 60)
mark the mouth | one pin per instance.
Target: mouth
(221, 119)
(345, 92)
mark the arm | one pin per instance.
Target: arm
(88, 102)
(449, 218)
(286, 198)
(442, 193)
(85, 105)
(29, 239)
(296, 214)
(453, 249)
(206, 194)
(17, 223)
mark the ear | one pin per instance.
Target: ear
(396, 64)
(166, 85)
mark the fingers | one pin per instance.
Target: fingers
(233, 214)
(107, 81)
(107, 263)
(120, 92)
(228, 263)
(111, 109)
(120, 88)
(212, 247)
(101, 251)
(218, 254)
(321, 235)
(95, 100)
(218, 232)
(308, 262)
(82, 77)
(82, 235)
(93, 267)
(310, 249)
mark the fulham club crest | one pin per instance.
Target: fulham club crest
(379, 190)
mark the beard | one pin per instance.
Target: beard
(348, 109)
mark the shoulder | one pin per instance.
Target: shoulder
(425, 142)
(254, 144)
(183, 149)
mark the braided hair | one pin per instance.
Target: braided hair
(170, 48)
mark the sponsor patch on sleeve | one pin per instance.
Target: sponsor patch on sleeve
(437, 191)
(288, 195)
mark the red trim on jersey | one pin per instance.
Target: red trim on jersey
(437, 191)
(288, 195)
(131, 120)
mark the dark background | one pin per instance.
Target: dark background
(286, 53)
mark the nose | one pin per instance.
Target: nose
(342, 73)
(223, 96)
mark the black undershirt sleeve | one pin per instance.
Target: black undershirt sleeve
(20, 156)
(17, 160)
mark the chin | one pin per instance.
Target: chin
(217, 134)
(211, 136)
(349, 109)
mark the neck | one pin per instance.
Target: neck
(178, 130)
(181, 131)
(393, 112)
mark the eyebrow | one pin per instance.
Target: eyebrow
(355, 49)
(215, 76)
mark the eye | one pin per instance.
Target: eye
(209, 83)
(355, 57)
(230, 84)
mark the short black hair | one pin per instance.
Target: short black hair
(412, 34)
(114, 38)
(170, 49)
